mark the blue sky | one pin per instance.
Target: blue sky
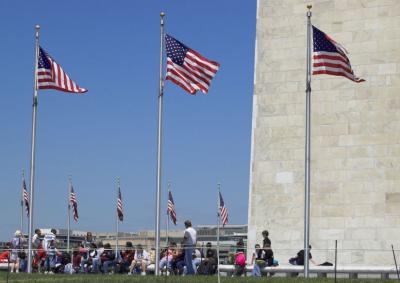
(112, 48)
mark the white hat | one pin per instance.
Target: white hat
(18, 233)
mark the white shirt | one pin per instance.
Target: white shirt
(190, 236)
(35, 241)
(47, 239)
(142, 256)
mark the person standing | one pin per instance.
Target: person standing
(16, 248)
(49, 246)
(189, 241)
(266, 240)
(38, 252)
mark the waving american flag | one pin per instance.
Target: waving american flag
(171, 208)
(187, 68)
(73, 202)
(330, 57)
(25, 196)
(120, 209)
(50, 75)
(223, 211)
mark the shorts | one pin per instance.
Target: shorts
(14, 257)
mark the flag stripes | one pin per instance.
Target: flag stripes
(330, 57)
(50, 75)
(74, 204)
(171, 208)
(187, 68)
(25, 197)
(223, 211)
(120, 209)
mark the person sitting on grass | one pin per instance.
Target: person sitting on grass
(76, 261)
(127, 257)
(208, 265)
(178, 260)
(258, 261)
(197, 257)
(107, 258)
(140, 261)
(166, 259)
(240, 259)
(96, 258)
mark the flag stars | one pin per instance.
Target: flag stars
(175, 50)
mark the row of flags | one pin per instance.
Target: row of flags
(223, 211)
(192, 71)
(72, 202)
(185, 67)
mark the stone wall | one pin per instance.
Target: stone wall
(355, 166)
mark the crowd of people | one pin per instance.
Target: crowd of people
(184, 258)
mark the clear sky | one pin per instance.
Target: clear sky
(112, 48)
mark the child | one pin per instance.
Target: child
(51, 255)
(240, 262)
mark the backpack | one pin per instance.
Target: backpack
(240, 259)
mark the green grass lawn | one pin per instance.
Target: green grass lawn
(35, 278)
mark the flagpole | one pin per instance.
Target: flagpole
(33, 149)
(307, 175)
(117, 221)
(159, 140)
(218, 221)
(22, 203)
(167, 229)
(69, 213)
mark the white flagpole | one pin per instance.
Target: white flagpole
(22, 202)
(69, 213)
(33, 147)
(159, 142)
(218, 221)
(307, 177)
(117, 221)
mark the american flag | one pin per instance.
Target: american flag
(187, 68)
(25, 196)
(223, 210)
(120, 209)
(171, 208)
(330, 57)
(73, 203)
(50, 75)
